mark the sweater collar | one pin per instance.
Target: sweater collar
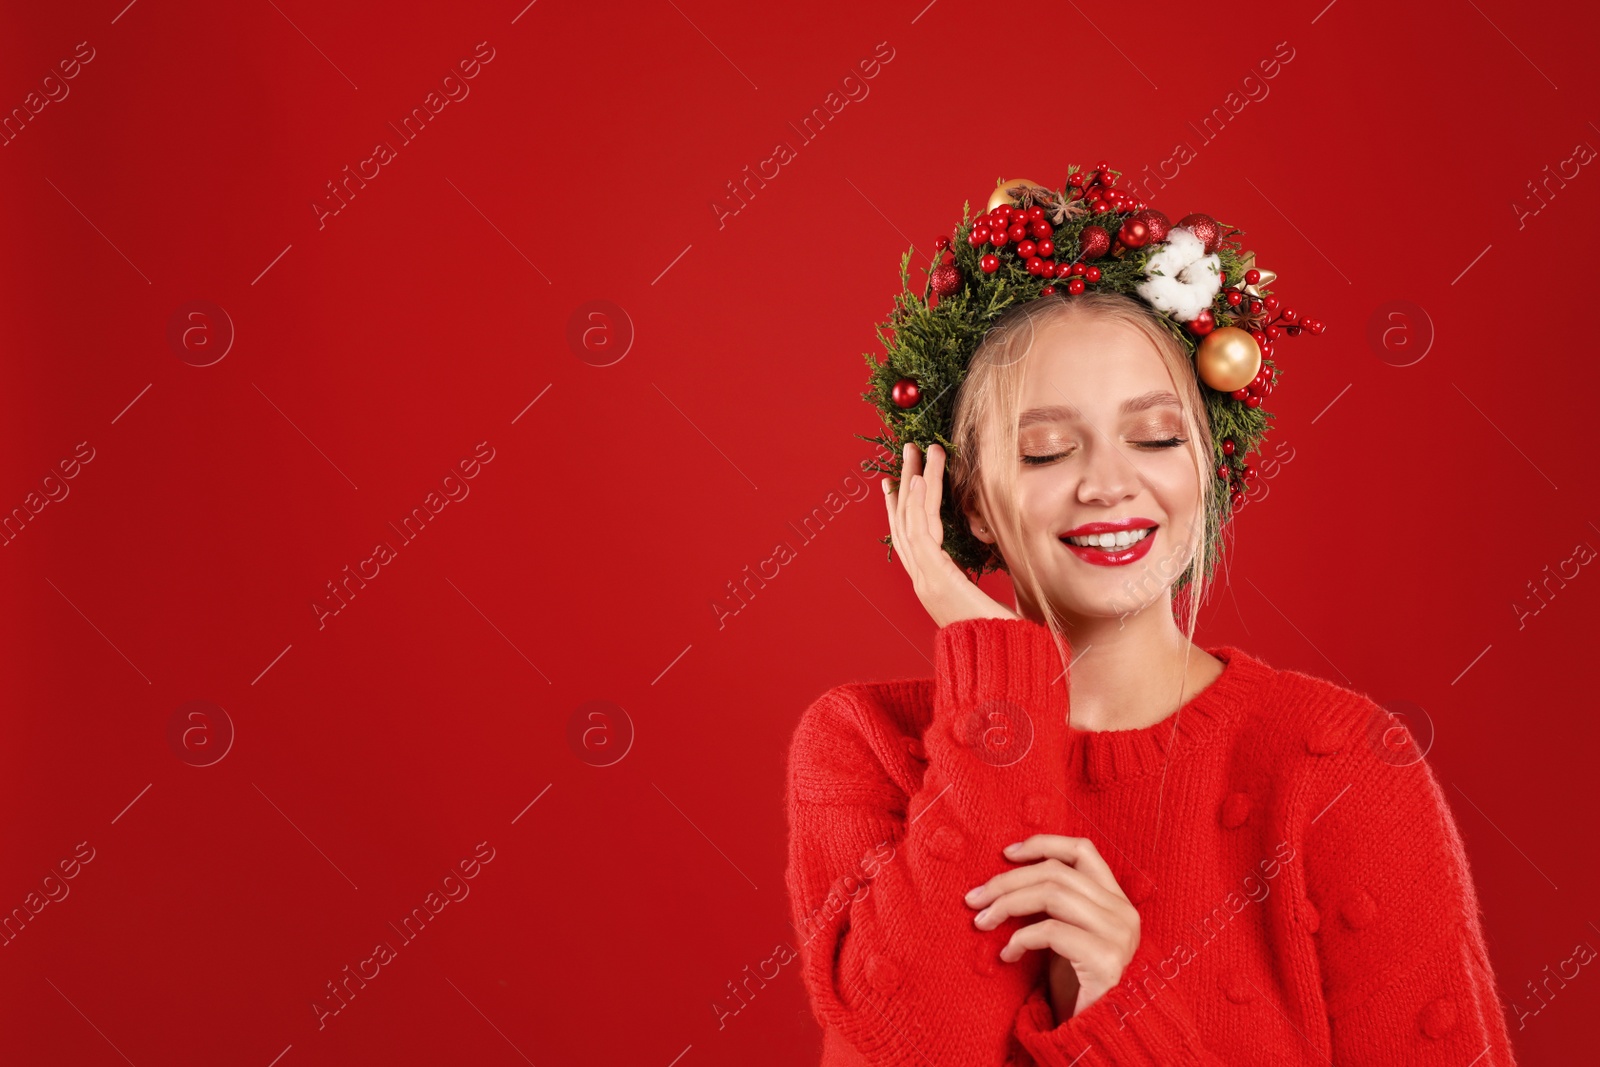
(1104, 756)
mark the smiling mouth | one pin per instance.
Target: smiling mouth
(1111, 542)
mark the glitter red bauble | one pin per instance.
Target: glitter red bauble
(1095, 242)
(905, 393)
(1204, 227)
(946, 280)
(1155, 222)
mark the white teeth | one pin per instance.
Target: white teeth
(1121, 539)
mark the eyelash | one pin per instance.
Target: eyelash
(1170, 442)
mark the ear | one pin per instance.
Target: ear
(979, 526)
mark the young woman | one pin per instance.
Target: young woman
(1087, 840)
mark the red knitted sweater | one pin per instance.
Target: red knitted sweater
(1302, 898)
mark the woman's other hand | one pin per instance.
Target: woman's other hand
(1092, 929)
(918, 533)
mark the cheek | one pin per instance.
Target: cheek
(1172, 479)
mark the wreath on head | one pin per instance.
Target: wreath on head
(1034, 242)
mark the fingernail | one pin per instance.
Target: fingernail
(982, 917)
(1013, 846)
(974, 893)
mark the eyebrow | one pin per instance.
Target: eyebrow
(1060, 413)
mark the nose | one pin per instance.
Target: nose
(1108, 478)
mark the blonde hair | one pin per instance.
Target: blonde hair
(985, 428)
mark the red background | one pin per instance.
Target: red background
(375, 352)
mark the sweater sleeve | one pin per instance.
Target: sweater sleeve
(1124, 1028)
(879, 861)
(1405, 971)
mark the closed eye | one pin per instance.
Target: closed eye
(1170, 442)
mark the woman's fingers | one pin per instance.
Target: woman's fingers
(1064, 939)
(934, 482)
(1058, 901)
(1078, 852)
(1046, 870)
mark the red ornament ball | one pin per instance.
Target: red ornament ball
(1155, 222)
(1204, 227)
(947, 279)
(1134, 233)
(905, 393)
(1095, 242)
(1203, 323)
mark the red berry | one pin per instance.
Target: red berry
(942, 243)
(1290, 315)
(1035, 265)
(1026, 249)
(1234, 296)
(1093, 274)
(978, 236)
(1018, 231)
(1040, 229)
(1228, 446)
(1035, 213)
(1048, 290)
(1047, 247)
(1252, 276)
(1075, 285)
(990, 263)
(1252, 401)
(1222, 471)
(1239, 394)
(1050, 268)
(905, 393)
(1079, 268)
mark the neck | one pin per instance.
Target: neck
(1131, 671)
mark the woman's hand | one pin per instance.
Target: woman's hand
(1093, 929)
(918, 532)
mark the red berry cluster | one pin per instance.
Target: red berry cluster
(1267, 320)
(1099, 188)
(1236, 479)
(1028, 235)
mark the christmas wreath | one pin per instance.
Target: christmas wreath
(1034, 242)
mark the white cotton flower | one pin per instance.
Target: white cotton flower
(1182, 279)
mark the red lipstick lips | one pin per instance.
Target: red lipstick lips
(1111, 557)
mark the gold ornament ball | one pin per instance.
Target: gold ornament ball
(1002, 192)
(1227, 358)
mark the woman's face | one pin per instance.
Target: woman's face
(1102, 441)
